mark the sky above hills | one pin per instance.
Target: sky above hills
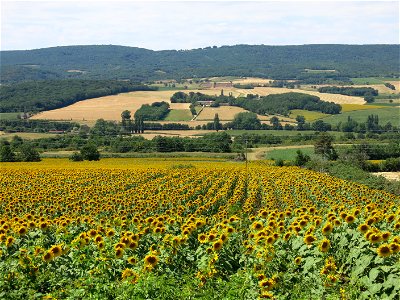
(160, 25)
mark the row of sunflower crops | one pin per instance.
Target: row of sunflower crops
(148, 229)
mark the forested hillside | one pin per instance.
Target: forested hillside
(52, 94)
(278, 62)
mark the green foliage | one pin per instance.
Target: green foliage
(245, 120)
(6, 153)
(90, 152)
(386, 114)
(301, 158)
(76, 156)
(36, 126)
(349, 91)
(243, 86)
(280, 62)
(390, 86)
(52, 94)
(323, 145)
(28, 154)
(154, 112)
(283, 103)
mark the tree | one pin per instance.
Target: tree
(246, 120)
(301, 159)
(126, 121)
(276, 125)
(27, 153)
(90, 152)
(301, 120)
(6, 154)
(217, 125)
(76, 156)
(323, 146)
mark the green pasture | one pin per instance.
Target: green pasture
(385, 114)
(308, 115)
(178, 115)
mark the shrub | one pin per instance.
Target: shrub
(76, 156)
(90, 152)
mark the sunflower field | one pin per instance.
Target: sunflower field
(185, 229)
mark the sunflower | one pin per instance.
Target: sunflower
(257, 226)
(101, 245)
(270, 240)
(267, 284)
(127, 273)
(119, 252)
(211, 237)
(350, 219)
(394, 247)
(260, 276)
(230, 229)
(332, 278)
(56, 250)
(48, 256)
(297, 260)
(9, 241)
(132, 260)
(133, 245)
(327, 229)
(110, 233)
(375, 238)
(202, 238)
(287, 236)
(363, 227)
(151, 260)
(92, 233)
(22, 230)
(324, 245)
(309, 239)
(384, 250)
(390, 218)
(98, 238)
(217, 245)
(266, 295)
(386, 235)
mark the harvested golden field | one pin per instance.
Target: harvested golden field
(193, 229)
(336, 98)
(252, 80)
(389, 175)
(396, 83)
(111, 107)
(170, 133)
(381, 88)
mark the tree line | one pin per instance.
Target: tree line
(51, 94)
(279, 62)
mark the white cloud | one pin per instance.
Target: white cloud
(186, 25)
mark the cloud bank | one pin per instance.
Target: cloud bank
(189, 25)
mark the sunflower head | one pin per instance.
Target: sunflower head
(384, 250)
(151, 260)
(309, 239)
(327, 229)
(217, 245)
(324, 245)
(56, 250)
(48, 256)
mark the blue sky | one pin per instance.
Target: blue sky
(194, 24)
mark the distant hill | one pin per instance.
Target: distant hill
(278, 62)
